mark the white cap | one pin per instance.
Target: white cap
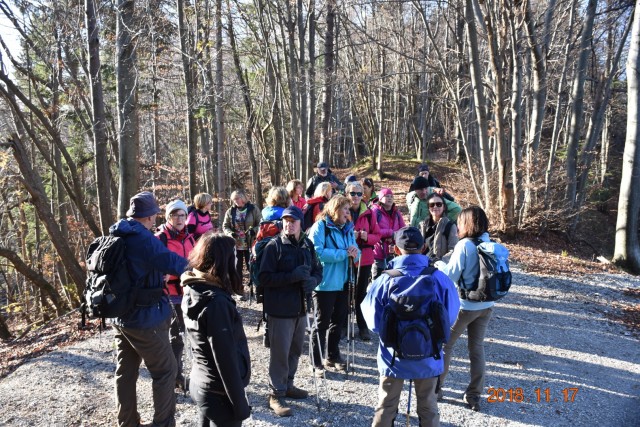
(174, 205)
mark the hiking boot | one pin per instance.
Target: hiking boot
(297, 393)
(278, 406)
(338, 363)
(364, 335)
(473, 402)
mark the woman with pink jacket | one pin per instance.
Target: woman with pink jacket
(367, 236)
(389, 220)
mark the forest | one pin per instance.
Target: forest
(534, 101)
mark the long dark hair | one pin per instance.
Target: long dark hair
(472, 222)
(214, 255)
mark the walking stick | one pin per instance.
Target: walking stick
(318, 389)
(351, 320)
(409, 405)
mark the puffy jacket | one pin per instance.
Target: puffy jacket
(464, 264)
(147, 260)
(178, 242)
(366, 221)
(221, 361)
(388, 224)
(317, 179)
(373, 305)
(442, 245)
(252, 221)
(331, 243)
(198, 222)
(284, 293)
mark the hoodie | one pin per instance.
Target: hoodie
(221, 362)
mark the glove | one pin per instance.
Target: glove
(309, 285)
(301, 272)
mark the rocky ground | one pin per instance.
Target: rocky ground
(555, 356)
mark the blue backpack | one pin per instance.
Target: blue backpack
(415, 324)
(494, 277)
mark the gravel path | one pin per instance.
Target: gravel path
(551, 334)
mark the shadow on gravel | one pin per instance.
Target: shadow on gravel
(553, 358)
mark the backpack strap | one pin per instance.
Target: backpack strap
(447, 228)
(163, 237)
(233, 216)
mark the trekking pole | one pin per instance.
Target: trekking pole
(409, 405)
(351, 342)
(313, 365)
(323, 379)
(349, 315)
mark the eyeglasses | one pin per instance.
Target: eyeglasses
(435, 205)
(354, 193)
(178, 216)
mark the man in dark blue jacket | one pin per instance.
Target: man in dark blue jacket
(143, 333)
(289, 270)
(394, 370)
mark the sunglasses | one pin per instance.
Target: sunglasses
(353, 194)
(435, 205)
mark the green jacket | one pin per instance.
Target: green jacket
(419, 211)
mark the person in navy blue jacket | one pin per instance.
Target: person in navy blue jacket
(143, 334)
(394, 370)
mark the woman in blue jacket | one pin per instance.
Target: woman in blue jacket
(336, 247)
(463, 269)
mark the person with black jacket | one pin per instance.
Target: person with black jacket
(289, 271)
(221, 366)
(323, 174)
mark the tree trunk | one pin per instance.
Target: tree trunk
(128, 133)
(627, 246)
(36, 278)
(251, 117)
(327, 93)
(479, 99)
(303, 142)
(188, 56)
(33, 184)
(220, 130)
(577, 94)
(311, 141)
(99, 121)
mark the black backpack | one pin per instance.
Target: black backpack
(494, 277)
(256, 259)
(415, 324)
(307, 211)
(109, 291)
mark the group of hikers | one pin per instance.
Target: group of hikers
(330, 256)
